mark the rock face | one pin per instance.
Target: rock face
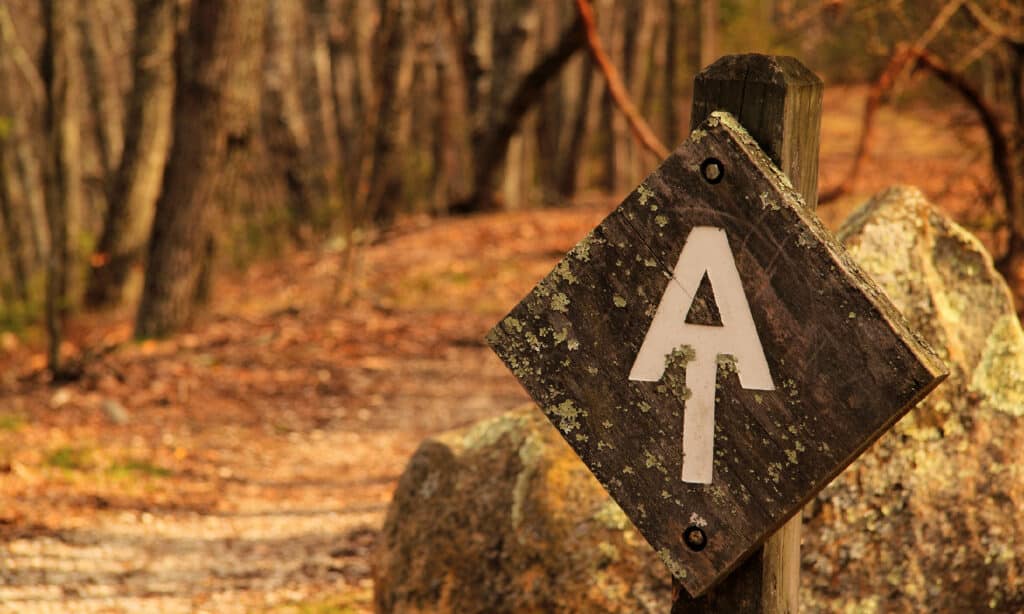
(503, 517)
(932, 517)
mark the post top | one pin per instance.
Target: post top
(781, 70)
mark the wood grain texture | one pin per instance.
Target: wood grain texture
(778, 100)
(846, 365)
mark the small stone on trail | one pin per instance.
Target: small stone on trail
(115, 411)
(60, 397)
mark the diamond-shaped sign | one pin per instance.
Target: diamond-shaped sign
(713, 355)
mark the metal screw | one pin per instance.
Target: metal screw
(695, 537)
(712, 170)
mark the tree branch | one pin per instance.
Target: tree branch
(914, 58)
(641, 130)
(993, 25)
(876, 95)
(8, 38)
(998, 142)
(495, 144)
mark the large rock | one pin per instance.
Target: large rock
(931, 518)
(504, 517)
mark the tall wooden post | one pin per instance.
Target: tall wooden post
(778, 100)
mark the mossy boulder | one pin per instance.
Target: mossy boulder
(931, 518)
(503, 517)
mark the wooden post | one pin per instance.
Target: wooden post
(778, 100)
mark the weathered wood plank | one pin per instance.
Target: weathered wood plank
(845, 365)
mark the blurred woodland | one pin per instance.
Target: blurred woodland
(146, 144)
(250, 250)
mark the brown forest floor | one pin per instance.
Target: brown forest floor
(262, 448)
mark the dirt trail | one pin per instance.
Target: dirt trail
(260, 450)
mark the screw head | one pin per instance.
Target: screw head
(712, 170)
(695, 538)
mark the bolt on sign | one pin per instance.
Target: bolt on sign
(713, 354)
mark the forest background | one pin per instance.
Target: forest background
(318, 122)
(249, 248)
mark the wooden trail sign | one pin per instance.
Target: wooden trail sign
(713, 355)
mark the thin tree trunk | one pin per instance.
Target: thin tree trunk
(551, 110)
(204, 114)
(285, 124)
(26, 94)
(309, 79)
(139, 173)
(13, 202)
(15, 233)
(569, 171)
(463, 94)
(708, 32)
(494, 147)
(514, 46)
(385, 184)
(1017, 88)
(643, 81)
(442, 140)
(615, 86)
(671, 109)
(609, 172)
(341, 40)
(326, 112)
(31, 174)
(63, 168)
(104, 93)
(625, 147)
(241, 183)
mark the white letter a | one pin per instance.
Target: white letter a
(706, 251)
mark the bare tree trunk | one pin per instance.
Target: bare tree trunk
(14, 203)
(708, 32)
(608, 170)
(385, 185)
(514, 45)
(670, 118)
(569, 171)
(1012, 263)
(643, 81)
(637, 124)
(492, 150)
(102, 83)
(551, 110)
(301, 119)
(242, 184)
(463, 94)
(442, 137)
(625, 146)
(204, 115)
(1017, 88)
(610, 122)
(343, 46)
(15, 233)
(140, 170)
(63, 168)
(324, 108)
(31, 172)
(285, 122)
